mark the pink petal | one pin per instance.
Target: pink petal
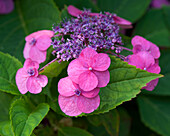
(74, 70)
(33, 86)
(159, 3)
(21, 79)
(38, 34)
(92, 93)
(151, 85)
(122, 22)
(88, 105)
(88, 81)
(43, 42)
(6, 6)
(37, 55)
(103, 78)
(26, 50)
(42, 80)
(154, 50)
(94, 14)
(73, 11)
(69, 105)
(101, 62)
(136, 60)
(86, 56)
(154, 69)
(66, 87)
(29, 63)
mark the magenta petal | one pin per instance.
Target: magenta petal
(73, 11)
(37, 55)
(154, 50)
(27, 50)
(92, 93)
(69, 105)
(101, 62)
(43, 42)
(122, 22)
(42, 80)
(151, 85)
(88, 105)
(88, 81)
(136, 60)
(103, 78)
(37, 34)
(33, 86)
(21, 79)
(74, 70)
(29, 63)
(154, 69)
(6, 6)
(66, 87)
(86, 56)
(94, 14)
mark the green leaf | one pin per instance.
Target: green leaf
(155, 113)
(163, 85)
(131, 10)
(125, 83)
(152, 26)
(8, 68)
(25, 118)
(29, 16)
(6, 129)
(53, 69)
(72, 131)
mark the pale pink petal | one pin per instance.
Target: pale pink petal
(92, 93)
(6, 6)
(151, 85)
(38, 34)
(88, 81)
(86, 56)
(136, 60)
(73, 11)
(27, 50)
(154, 50)
(103, 78)
(75, 68)
(33, 86)
(101, 62)
(88, 105)
(69, 105)
(37, 55)
(21, 79)
(66, 87)
(30, 63)
(42, 80)
(154, 69)
(43, 42)
(122, 22)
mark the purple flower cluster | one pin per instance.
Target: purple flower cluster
(72, 36)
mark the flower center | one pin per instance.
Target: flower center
(33, 41)
(77, 92)
(31, 72)
(90, 68)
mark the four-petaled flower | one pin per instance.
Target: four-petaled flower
(73, 100)
(27, 78)
(89, 70)
(37, 44)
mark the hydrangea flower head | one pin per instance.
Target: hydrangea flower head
(6, 6)
(73, 101)
(144, 60)
(90, 69)
(98, 32)
(120, 21)
(27, 78)
(37, 44)
(141, 44)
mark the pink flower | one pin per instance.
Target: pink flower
(120, 21)
(144, 60)
(159, 3)
(141, 44)
(73, 101)
(37, 44)
(27, 78)
(6, 6)
(90, 69)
